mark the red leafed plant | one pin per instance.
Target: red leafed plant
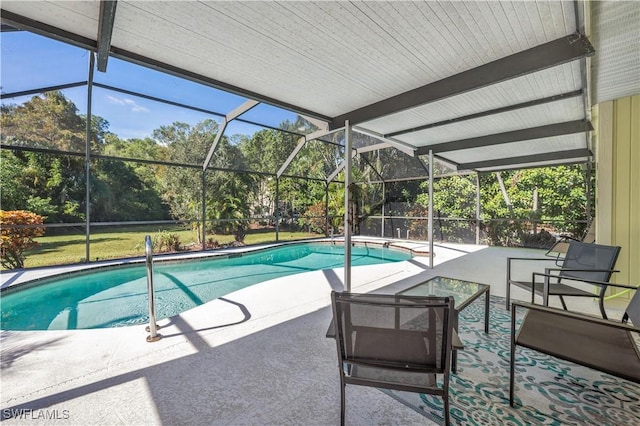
(18, 229)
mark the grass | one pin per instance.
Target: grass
(122, 242)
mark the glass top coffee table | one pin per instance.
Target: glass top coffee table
(463, 292)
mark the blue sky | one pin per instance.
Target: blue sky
(29, 61)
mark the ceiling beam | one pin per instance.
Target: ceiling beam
(320, 124)
(527, 104)
(547, 131)
(235, 113)
(556, 52)
(105, 30)
(5, 28)
(399, 145)
(376, 147)
(526, 159)
(301, 143)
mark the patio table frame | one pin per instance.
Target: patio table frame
(443, 286)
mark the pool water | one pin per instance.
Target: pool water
(117, 296)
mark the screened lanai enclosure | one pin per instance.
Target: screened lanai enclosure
(208, 124)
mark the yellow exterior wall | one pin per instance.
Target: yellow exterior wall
(617, 146)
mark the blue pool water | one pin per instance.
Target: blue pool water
(117, 296)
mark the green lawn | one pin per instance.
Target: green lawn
(121, 242)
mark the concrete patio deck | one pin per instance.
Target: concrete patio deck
(258, 356)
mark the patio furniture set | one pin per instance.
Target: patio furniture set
(405, 341)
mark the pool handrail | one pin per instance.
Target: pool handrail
(152, 328)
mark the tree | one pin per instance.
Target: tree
(46, 121)
(14, 196)
(15, 241)
(454, 197)
(54, 185)
(560, 203)
(226, 191)
(46, 184)
(133, 188)
(51, 184)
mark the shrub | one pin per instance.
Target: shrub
(314, 218)
(239, 234)
(164, 241)
(15, 241)
(212, 243)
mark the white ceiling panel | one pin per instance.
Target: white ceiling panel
(524, 154)
(616, 37)
(341, 55)
(331, 59)
(557, 112)
(79, 17)
(517, 149)
(542, 84)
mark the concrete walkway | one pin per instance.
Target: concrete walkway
(257, 356)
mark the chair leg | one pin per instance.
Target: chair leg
(342, 404)
(602, 311)
(564, 305)
(508, 306)
(447, 418)
(512, 359)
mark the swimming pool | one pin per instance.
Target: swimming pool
(117, 296)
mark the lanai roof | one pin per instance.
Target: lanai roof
(485, 85)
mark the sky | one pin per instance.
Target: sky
(29, 61)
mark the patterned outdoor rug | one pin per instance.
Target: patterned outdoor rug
(549, 391)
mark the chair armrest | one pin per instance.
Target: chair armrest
(509, 259)
(529, 258)
(575, 315)
(601, 283)
(581, 270)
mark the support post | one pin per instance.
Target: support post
(384, 200)
(277, 208)
(326, 209)
(204, 209)
(478, 208)
(347, 199)
(152, 328)
(430, 227)
(87, 156)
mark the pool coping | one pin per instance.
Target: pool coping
(12, 279)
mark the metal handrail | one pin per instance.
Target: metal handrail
(152, 328)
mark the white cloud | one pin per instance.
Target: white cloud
(130, 103)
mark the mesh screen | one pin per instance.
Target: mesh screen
(46, 62)
(129, 76)
(391, 164)
(317, 159)
(50, 121)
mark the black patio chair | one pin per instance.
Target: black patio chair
(394, 342)
(582, 263)
(601, 344)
